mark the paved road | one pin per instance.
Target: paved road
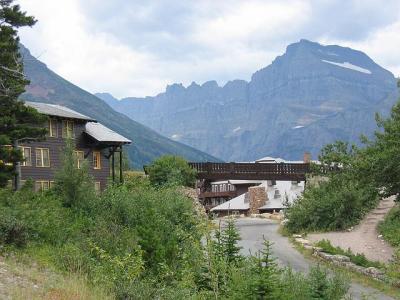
(252, 232)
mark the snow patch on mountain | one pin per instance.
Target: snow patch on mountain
(236, 129)
(348, 65)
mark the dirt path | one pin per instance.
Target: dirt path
(364, 238)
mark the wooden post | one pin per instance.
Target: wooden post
(121, 179)
(113, 166)
(17, 169)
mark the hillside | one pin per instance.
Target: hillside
(310, 96)
(47, 86)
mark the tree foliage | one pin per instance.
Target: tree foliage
(171, 170)
(75, 185)
(17, 121)
(380, 159)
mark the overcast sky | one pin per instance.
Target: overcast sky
(136, 48)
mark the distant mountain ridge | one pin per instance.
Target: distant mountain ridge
(309, 96)
(46, 86)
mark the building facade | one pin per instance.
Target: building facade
(93, 142)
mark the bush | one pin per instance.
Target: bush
(171, 170)
(390, 227)
(336, 204)
(12, 230)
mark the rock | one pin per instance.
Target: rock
(317, 249)
(341, 258)
(284, 221)
(297, 236)
(308, 247)
(380, 236)
(374, 272)
(325, 256)
(302, 241)
(350, 229)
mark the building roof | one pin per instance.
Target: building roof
(57, 111)
(269, 159)
(102, 133)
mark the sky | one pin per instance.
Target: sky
(135, 48)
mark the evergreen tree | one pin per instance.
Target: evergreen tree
(229, 241)
(266, 284)
(74, 184)
(17, 121)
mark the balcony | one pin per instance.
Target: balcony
(226, 194)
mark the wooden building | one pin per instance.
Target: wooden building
(219, 192)
(93, 141)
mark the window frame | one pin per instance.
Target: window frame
(79, 163)
(53, 133)
(42, 185)
(41, 150)
(24, 162)
(65, 129)
(97, 160)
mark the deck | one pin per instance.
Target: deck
(251, 171)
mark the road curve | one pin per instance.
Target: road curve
(252, 232)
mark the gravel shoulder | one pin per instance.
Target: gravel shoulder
(364, 238)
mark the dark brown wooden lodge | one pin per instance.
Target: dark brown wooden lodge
(94, 142)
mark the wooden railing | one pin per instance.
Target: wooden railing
(277, 171)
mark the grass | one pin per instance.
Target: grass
(390, 227)
(33, 281)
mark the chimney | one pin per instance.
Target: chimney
(307, 157)
(257, 197)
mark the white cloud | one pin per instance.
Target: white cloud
(199, 41)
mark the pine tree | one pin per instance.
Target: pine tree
(17, 121)
(229, 240)
(266, 284)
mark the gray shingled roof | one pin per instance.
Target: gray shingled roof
(96, 130)
(103, 134)
(58, 111)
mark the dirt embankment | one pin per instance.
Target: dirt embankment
(363, 238)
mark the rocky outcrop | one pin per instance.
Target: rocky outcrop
(329, 92)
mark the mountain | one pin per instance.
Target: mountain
(309, 96)
(46, 86)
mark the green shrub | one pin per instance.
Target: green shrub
(336, 204)
(12, 230)
(171, 170)
(390, 227)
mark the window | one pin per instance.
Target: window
(97, 187)
(96, 160)
(42, 185)
(51, 185)
(68, 129)
(53, 128)
(27, 156)
(42, 157)
(79, 158)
